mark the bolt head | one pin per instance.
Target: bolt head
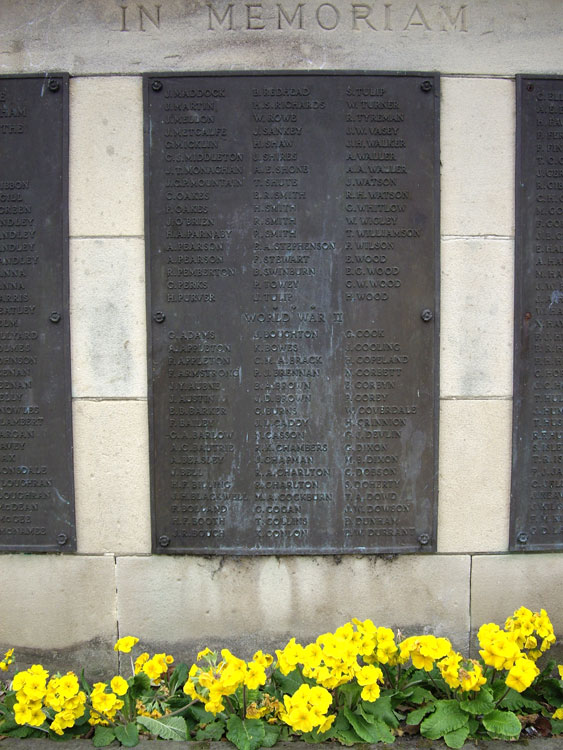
(55, 317)
(164, 540)
(156, 86)
(426, 86)
(53, 85)
(426, 315)
(424, 538)
(62, 539)
(522, 537)
(159, 317)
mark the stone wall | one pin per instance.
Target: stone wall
(68, 606)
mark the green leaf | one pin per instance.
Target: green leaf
(481, 703)
(271, 735)
(513, 700)
(179, 677)
(141, 684)
(343, 732)
(199, 714)
(503, 724)
(289, 683)
(552, 691)
(382, 709)
(127, 734)
(103, 736)
(447, 717)
(416, 716)
(421, 695)
(167, 728)
(212, 731)
(456, 739)
(372, 730)
(246, 735)
(556, 726)
(23, 732)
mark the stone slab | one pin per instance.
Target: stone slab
(476, 318)
(484, 36)
(475, 462)
(248, 603)
(477, 154)
(106, 156)
(111, 471)
(407, 743)
(502, 583)
(108, 329)
(59, 610)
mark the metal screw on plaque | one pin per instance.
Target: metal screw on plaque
(522, 538)
(159, 317)
(156, 86)
(53, 85)
(55, 317)
(62, 539)
(426, 315)
(164, 540)
(426, 86)
(424, 538)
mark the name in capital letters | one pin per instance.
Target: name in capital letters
(258, 16)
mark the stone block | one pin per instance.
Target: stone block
(108, 322)
(474, 475)
(477, 154)
(106, 156)
(477, 318)
(60, 610)
(184, 603)
(111, 476)
(501, 584)
(83, 37)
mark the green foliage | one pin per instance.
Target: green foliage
(212, 731)
(447, 717)
(167, 728)
(478, 703)
(103, 736)
(127, 734)
(247, 734)
(502, 724)
(456, 739)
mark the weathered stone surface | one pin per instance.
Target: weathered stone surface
(476, 329)
(477, 155)
(108, 333)
(106, 156)
(483, 36)
(111, 474)
(59, 610)
(474, 479)
(249, 603)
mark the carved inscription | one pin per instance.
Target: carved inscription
(291, 242)
(537, 481)
(36, 490)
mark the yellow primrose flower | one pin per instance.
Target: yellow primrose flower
(119, 685)
(68, 685)
(255, 676)
(263, 659)
(472, 679)
(522, 674)
(560, 670)
(125, 644)
(140, 660)
(22, 713)
(558, 714)
(202, 654)
(370, 692)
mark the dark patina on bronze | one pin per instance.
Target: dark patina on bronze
(36, 479)
(292, 286)
(536, 513)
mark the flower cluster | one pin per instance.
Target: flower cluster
(424, 650)
(61, 694)
(332, 660)
(220, 680)
(465, 674)
(527, 627)
(307, 709)
(7, 660)
(153, 667)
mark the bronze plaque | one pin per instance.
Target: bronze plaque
(536, 520)
(292, 237)
(36, 481)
